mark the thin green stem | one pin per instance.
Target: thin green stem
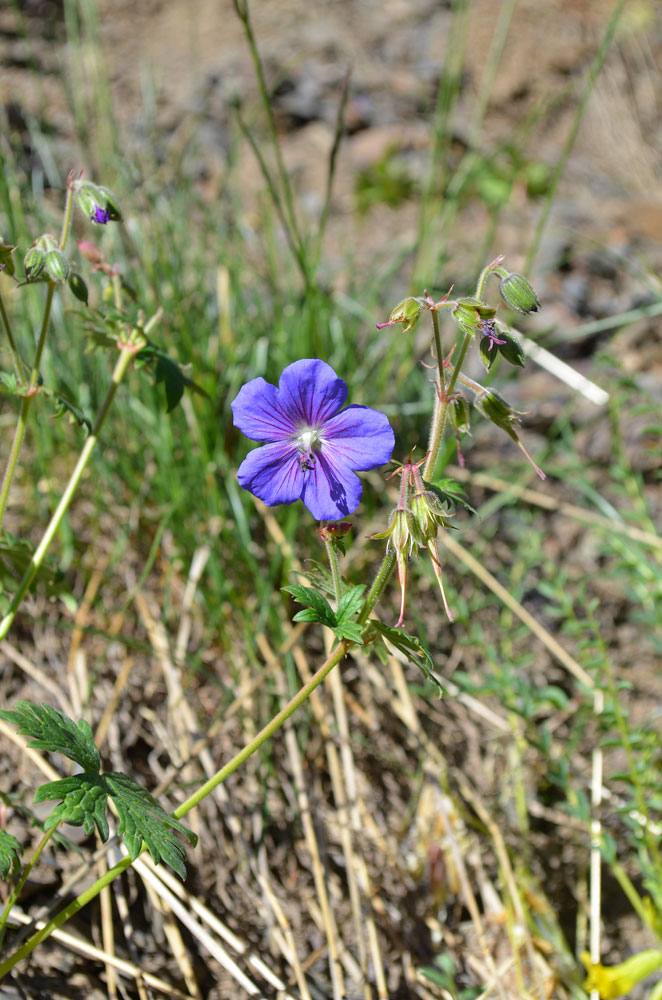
(334, 566)
(62, 917)
(16, 360)
(26, 404)
(31, 390)
(66, 221)
(127, 353)
(23, 879)
(440, 411)
(378, 587)
(241, 7)
(570, 141)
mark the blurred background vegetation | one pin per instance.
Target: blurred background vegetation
(278, 206)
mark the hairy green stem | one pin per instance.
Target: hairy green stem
(444, 394)
(334, 566)
(378, 587)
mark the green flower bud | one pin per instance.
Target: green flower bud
(428, 514)
(518, 293)
(33, 262)
(96, 202)
(406, 312)
(470, 313)
(510, 348)
(56, 265)
(458, 412)
(78, 287)
(496, 409)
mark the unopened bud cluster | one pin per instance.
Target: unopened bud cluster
(45, 261)
(414, 524)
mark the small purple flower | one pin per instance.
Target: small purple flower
(311, 446)
(100, 215)
(489, 329)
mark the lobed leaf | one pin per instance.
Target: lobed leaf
(54, 731)
(143, 819)
(318, 610)
(10, 849)
(83, 802)
(350, 603)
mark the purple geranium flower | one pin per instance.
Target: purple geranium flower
(310, 444)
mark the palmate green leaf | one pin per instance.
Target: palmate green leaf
(165, 369)
(350, 604)
(10, 849)
(318, 610)
(349, 630)
(83, 802)
(54, 731)
(84, 798)
(143, 819)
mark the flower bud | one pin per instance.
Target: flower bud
(401, 539)
(518, 293)
(428, 514)
(510, 348)
(6, 260)
(458, 412)
(35, 259)
(78, 287)
(496, 409)
(33, 262)
(56, 265)
(469, 314)
(96, 202)
(406, 312)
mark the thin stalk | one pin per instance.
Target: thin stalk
(241, 7)
(31, 389)
(441, 410)
(86, 897)
(127, 353)
(570, 141)
(22, 880)
(16, 360)
(330, 174)
(26, 404)
(334, 566)
(378, 587)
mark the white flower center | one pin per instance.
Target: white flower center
(308, 441)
